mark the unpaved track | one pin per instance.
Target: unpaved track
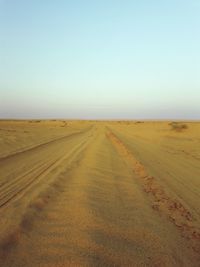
(29, 164)
(95, 212)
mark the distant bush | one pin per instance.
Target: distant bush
(178, 127)
(34, 121)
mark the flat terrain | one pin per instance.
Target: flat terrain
(86, 193)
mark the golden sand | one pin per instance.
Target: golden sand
(86, 193)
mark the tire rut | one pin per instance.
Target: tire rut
(12, 233)
(173, 208)
(42, 144)
(11, 189)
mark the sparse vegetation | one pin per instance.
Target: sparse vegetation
(178, 127)
(36, 121)
(64, 124)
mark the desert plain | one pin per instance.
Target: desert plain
(99, 193)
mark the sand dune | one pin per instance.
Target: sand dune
(85, 193)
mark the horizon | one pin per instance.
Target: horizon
(102, 120)
(100, 61)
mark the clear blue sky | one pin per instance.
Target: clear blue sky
(100, 59)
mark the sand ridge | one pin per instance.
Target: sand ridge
(173, 208)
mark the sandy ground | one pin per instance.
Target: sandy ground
(92, 193)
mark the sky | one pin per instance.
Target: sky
(108, 59)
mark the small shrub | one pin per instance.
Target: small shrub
(34, 121)
(178, 127)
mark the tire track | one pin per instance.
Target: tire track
(34, 166)
(43, 144)
(24, 221)
(21, 184)
(92, 214)
(173, 208)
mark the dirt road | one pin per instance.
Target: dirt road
(99, 196)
